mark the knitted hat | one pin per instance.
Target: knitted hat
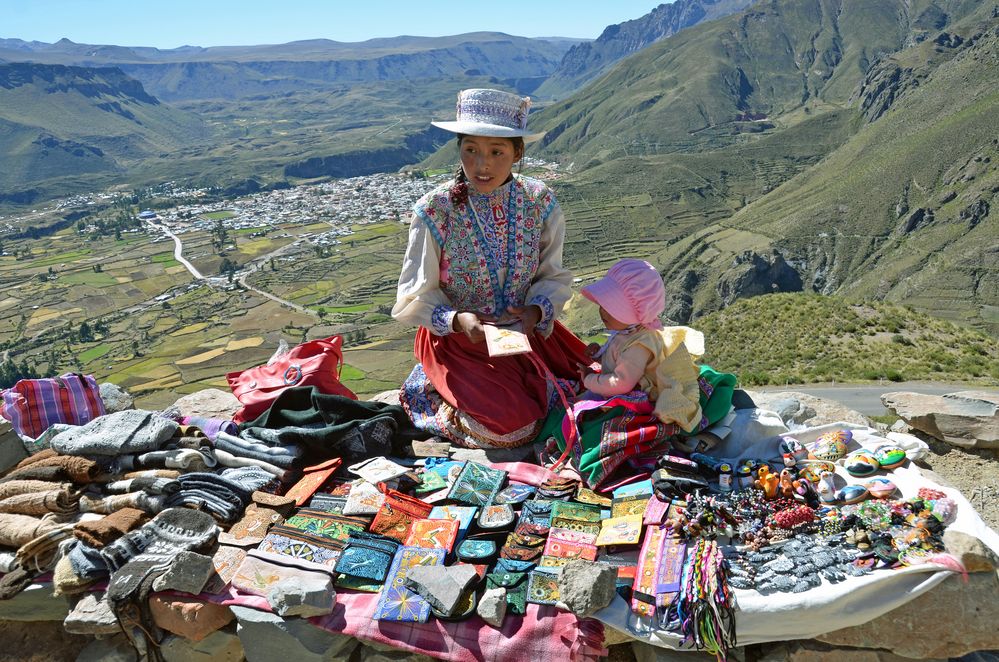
(484, 112)
(225, 499)
(632, 292)
(16, 530)
(129, 431)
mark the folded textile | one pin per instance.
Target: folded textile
(252, 478)
(150, 503)
(16, 487)
(210, 426)
(37, 457)
(173, 530)
(16, 581)
(16, 530)
(224, 498)
(229, 460)
(40, 554)
(58, 501)
(99, 533)
(129, 431)
(152, 473)
(148, 484)
(284, 456)
(332, 425)
(56, 467)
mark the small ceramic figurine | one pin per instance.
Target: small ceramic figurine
(826, 487)
(767, 481)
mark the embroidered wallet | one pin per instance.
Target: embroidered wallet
(367, 556)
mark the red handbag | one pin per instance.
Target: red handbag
(314, 363)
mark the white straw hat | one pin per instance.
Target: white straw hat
(484, 112)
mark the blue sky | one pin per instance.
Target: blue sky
(172, 23)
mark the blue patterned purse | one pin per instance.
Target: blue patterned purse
(477, 484)
(367, 556)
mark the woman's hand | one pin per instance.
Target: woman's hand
(529, 316)
(470, 325)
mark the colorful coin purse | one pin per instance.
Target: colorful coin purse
(367, 556)
(515, 584)
(398, 603)
(496, 516)
(537, 512)
(515, 494)
(542, 587)
(289, 541)
(585, 512)
(477, 484)
(476, 550)
(461, 514)
(326, 525)
(397, 514)
(433, 533)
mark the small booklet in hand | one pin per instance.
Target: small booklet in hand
(506, 340)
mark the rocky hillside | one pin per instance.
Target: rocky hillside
(233, 72)
(61, 121)
(586, 61)
(811, 145)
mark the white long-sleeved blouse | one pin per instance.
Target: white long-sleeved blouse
(420, 297)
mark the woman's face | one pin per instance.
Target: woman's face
(487, 161)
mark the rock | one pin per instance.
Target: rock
(301, 596)
(492, 606)
(486, 456)
(115, 398)
(900, 426)
(825, 411)
(210, 403)
(12, 448)
(644, 652)
(188, 617)
(970, 551)
(388, 397)
(219, 646)
(948, 621)
(188, 573)
(267, 637)
(441, 586)
(91, 615)
(813, 651)
(112, 649)
(35, 603)
(969, 419)
(586, 587)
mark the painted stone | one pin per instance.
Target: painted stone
(852, 494)
(880, 488)
(889, 456)
(861, 464)
(830, 446)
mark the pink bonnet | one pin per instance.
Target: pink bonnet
(632, 292)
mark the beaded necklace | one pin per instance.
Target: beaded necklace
(502, 296)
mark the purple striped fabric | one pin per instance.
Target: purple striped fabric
(211, 426)
(32, 405)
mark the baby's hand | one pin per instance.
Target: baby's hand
(592, 349)
(584, 369)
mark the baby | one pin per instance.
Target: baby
(641, 354)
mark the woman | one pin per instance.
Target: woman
(486, 247)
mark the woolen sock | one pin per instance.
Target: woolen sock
(87, 562)
(16, 581)
(232, 461)
(65, 581)
(148, 484)
(129, 431)
(150, 503)
(39, 555)
(173, 530)
(37, 457)
(106, 530)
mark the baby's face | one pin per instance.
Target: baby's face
(611, 322)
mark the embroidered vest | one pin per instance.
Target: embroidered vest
(475, 247)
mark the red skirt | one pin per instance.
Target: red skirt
(502, 393)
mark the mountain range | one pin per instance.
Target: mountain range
(829, 146)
